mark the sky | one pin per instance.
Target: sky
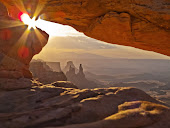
(65, 39)
(54, 29)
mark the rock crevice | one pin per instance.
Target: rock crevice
(54, 105)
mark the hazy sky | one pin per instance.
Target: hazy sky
(65, 39)
(54, 29)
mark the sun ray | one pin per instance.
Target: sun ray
(22, 48)
(21, 42)
(14, 7)
(40, 37)
(32, 23)
(20, 5)
(23, 38)
(25, 18)
(39, 8)
(10, 24)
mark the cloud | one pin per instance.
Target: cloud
(80, 42)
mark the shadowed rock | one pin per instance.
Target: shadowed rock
(134, 23)
(51, 106)
(18, 45)
(79, 79)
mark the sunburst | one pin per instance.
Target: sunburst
(28, 21)
(24, 19)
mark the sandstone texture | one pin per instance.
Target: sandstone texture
(17, 47)
(58, 106)
(30, 104)
(143, 24)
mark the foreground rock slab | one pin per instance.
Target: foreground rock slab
(62, 105)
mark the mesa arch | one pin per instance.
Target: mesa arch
(46, 106)
(144, 24)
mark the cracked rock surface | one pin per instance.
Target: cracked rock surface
(58, 106)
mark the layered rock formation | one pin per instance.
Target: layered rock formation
(55, 66)
(134, 23)
(68, 65)
(143, 24)
(79, 79)
(59, 106)
(45, 74)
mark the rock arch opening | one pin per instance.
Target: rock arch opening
(141, 24)
(138, 23)
(129, 23)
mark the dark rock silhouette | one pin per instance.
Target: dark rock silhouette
(67, 67)
(71, 72)
(81, 73)
(45, 74)
(79, 79)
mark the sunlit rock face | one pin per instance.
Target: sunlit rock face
(17, 47)
(62, 105)
(143, 24)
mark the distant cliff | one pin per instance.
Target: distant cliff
(67, 67)
(45, 74)
(79, 79)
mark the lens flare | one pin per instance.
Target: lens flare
(23, 52)
(28, 21)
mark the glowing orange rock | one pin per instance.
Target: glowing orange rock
(17, 47)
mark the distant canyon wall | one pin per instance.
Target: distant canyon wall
(43, 73)
(143, 24)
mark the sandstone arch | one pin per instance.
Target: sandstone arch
(144, 24)
(55, 105)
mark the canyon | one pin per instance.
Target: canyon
(27, 103)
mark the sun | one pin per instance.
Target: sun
(28, 21)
